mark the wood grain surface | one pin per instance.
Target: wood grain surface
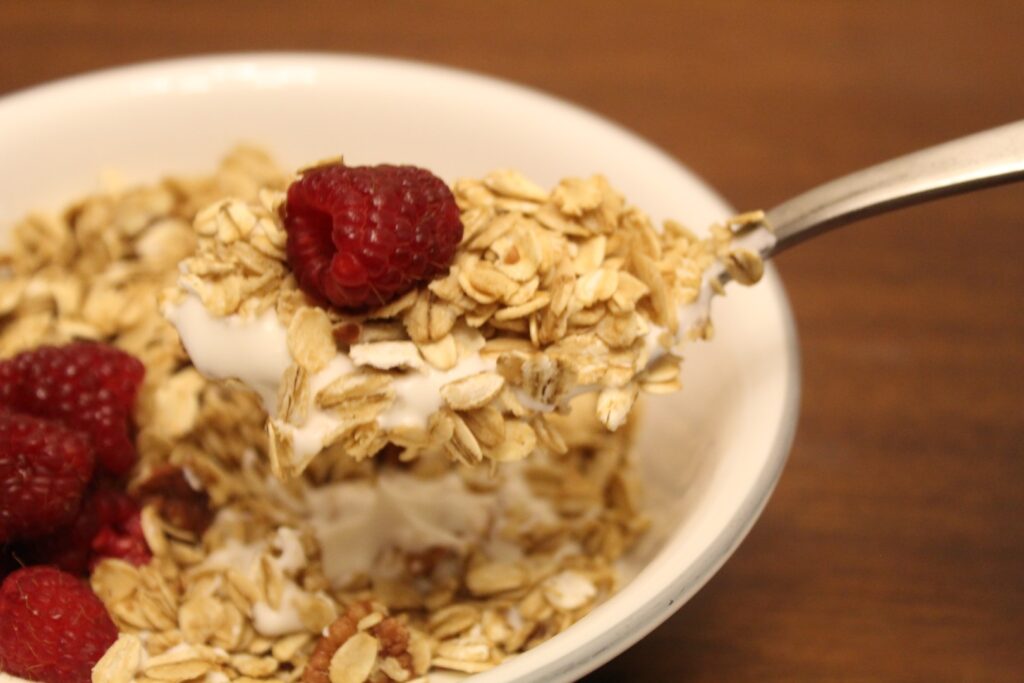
(893, 549)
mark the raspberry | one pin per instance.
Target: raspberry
(107, 526)
(86, 386)
(44, 469)
(360, 236)
(123, 540)
(68, 548)
(176, 501)
(53, 628)
(8, 561)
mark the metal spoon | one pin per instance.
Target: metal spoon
(992, 157)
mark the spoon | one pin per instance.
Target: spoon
(986, 159)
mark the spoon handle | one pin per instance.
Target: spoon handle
(985, 159)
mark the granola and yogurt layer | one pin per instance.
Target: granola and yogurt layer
(342, 566)
(551, 294)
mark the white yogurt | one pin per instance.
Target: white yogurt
(251, 350)
(356, 522)
(254, 350)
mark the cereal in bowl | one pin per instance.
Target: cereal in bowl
(327, 518)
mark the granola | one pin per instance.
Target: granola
(551, 294)
(552, 291)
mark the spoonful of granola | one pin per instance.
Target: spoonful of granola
(374, 305)
(370, 306)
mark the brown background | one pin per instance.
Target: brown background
(893, 548)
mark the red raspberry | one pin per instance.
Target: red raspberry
(53, 628)
(44, 469)
(123, 540)
(8, 561)
(107, 526)
(86, 386)
(68, 548)
(360, 236)
(169, 490)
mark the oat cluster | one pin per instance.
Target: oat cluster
(559, 292)
(248, 598)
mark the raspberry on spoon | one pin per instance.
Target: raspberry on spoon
(361, 236)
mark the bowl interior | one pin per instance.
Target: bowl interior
(709, 455)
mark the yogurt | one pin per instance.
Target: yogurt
(360, 524)
(254, 351)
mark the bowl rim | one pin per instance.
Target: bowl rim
(657, 608)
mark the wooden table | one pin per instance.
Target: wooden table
(893, 548)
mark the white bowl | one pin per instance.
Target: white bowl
(710, 455)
